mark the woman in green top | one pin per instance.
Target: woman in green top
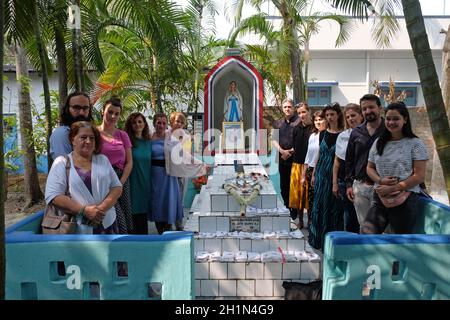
(137, 128)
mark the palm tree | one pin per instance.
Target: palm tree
(44, 70)
(427, 72)
(296, 30)
(303, 28)
(139, 42)
(33, 192)
(2, 163)
(200, 49)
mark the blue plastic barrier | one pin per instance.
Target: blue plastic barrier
(391, 266)
(97, 266)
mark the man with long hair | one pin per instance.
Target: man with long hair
(77, 108)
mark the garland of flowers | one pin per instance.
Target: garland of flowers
(241, 199)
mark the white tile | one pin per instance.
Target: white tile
(278, 290)
(272, 270)
(223, 224)
(219, 203)
(233, 205)
(281, 223)
(295, 244)
(236, 270)
(207, 224)
(291, 270)
(218, 270)
(245, 245)
(209, 288)
(230, 245)
(202, 270)
(266, 224)
(246, 288)
(213, 245)
(227, 288)
(260, 245)
(264, 288)
(310, 271)
(197, 288)
(256, 203)
(199, 245)
(254, 270)
(275, 243)
(269, 201)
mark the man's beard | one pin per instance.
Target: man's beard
(371, 117)
(78, 118)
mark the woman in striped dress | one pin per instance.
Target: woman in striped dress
(327, 214)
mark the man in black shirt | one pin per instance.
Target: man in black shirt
(359, 185)
(285, 146)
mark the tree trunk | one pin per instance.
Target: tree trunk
(445, 83)
(62, 65)
(430, 84)
(76, 49)
(42, 54)
(2, 163)
(294, 52)
(33, 192)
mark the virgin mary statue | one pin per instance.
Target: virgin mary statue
(233, 104)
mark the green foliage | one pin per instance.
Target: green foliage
(38, 136)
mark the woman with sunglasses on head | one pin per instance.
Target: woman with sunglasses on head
(397, 163)
(140, 178)
(116, 146)
(166, 207)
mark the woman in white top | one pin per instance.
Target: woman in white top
(179, 160)
(353, 118)
(311, 156)
(93, 185)
(397, 163)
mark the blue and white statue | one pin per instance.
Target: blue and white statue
(233, 104)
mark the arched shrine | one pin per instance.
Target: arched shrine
(235, 117)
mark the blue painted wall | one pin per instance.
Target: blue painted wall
(93, 261)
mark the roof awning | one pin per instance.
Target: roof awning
(322, 83)
(400, 83)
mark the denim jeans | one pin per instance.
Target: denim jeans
(351, 223)
(363, 199)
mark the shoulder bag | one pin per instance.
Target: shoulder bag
(55, 220)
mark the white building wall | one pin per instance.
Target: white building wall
(10, 91)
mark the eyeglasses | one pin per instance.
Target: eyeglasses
(79, 108)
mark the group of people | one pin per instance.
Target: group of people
(350, 170)
(119, 179)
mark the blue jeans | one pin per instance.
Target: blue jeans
(351, 223)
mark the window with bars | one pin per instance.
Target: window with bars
(411, 95)
(319, 96)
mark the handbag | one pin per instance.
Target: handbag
(55, 220)
(394, 199)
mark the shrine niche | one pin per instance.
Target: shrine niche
(233, 99)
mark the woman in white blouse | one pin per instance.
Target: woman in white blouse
(93, 186)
